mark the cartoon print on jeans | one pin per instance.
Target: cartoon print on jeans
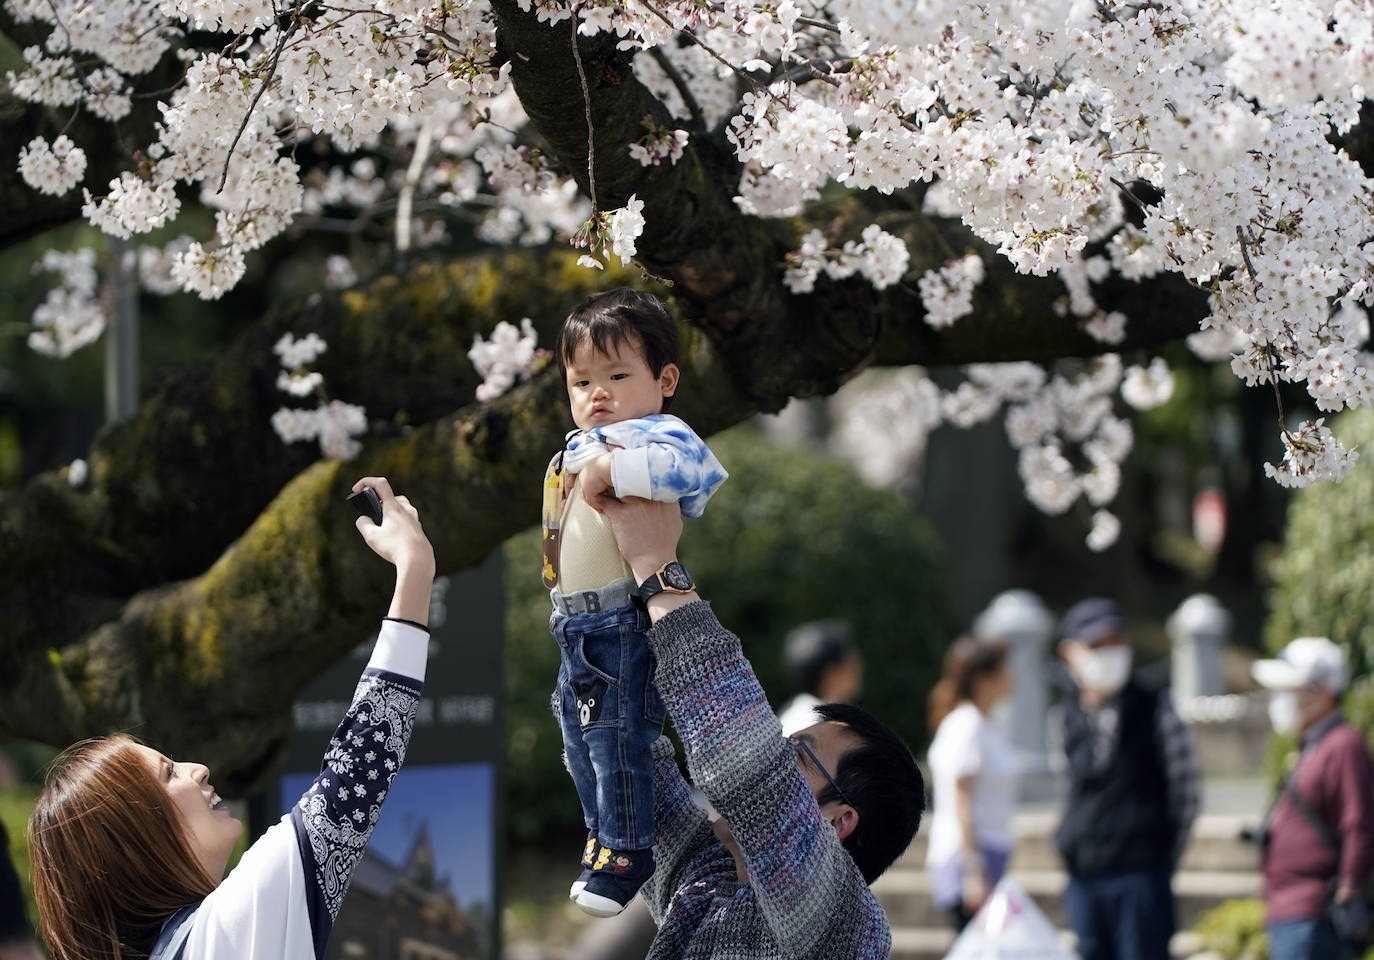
(590, 699)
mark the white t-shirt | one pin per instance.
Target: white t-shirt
(968, 744)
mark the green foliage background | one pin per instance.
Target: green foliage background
(1324, 579)
(791, 536)
(16, 804)
(1235, 931)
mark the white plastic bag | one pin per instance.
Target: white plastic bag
(1009, 926)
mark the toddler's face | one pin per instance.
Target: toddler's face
(608, 388)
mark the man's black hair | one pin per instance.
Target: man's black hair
(812, 647)
(881, 779)
(616, 318)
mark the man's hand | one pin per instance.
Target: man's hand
(646, 532)
(595, 479)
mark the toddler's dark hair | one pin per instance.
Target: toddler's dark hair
(617, 318)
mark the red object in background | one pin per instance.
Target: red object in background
(1209, 519)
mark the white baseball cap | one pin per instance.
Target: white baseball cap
(1304, 662)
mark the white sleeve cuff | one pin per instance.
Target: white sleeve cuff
(630, 473)
(401, 649)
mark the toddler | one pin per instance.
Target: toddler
(618, 351)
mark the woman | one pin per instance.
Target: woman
(129, 848)
(974, 766)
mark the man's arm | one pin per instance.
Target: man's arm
(681, 829)
(1180, 767)
(808, 888)
(810, 891)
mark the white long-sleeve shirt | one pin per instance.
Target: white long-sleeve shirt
(280, 901)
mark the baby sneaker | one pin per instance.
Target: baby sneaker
(588, 852)
(616, 876)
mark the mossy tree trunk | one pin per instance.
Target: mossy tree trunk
(205, 572)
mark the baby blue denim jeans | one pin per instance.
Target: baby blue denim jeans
(611, 714)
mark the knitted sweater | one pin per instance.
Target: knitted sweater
(805, 898)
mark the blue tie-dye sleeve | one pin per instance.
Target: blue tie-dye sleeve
(661, 458)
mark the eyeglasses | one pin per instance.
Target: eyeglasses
(806, 748)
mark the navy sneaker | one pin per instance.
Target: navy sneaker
(616, 877)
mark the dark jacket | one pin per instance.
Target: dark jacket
(1117, 816)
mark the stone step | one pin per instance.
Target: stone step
(905, 894)
(1215, 845)
(932, 943)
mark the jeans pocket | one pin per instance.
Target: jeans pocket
(598, 652)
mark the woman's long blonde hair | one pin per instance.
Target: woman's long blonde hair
(111, 861)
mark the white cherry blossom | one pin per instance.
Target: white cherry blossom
(54, 168)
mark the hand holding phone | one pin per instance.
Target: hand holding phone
(367, 504)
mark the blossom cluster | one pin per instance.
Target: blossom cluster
(881, 258)
(947, 291)
(52, 168)
(334, 423)
(70, 316)
(340, 73)
(658, 144)
(1065, 425)
(611, 233)
(504, 359)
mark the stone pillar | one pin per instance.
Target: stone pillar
(1018, 619)
(1198, 628)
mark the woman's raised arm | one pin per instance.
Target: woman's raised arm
(282, 898)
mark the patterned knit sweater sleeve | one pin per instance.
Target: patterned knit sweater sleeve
(809, 890)
(681, 829)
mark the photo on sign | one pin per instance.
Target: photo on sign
(425, 887)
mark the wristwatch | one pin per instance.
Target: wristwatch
(672, 577)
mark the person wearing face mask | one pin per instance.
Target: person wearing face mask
(1133, 793)
(974, 767)
(1318, 839)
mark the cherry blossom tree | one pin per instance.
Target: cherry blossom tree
(996, 186)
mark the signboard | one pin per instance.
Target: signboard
(426, 888)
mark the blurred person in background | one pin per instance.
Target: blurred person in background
(16, 939)
(826, 666)
(974, 767)
(1318, 838)
(1133, 793)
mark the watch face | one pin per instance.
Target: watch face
(676, 576)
